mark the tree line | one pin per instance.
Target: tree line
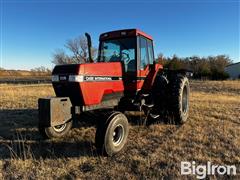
(211, 67)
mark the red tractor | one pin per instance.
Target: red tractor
(124, 78)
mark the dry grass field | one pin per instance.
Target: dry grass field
(212, 133)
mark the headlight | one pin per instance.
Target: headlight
(75, 78)
(55, 78)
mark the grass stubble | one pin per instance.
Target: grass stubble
(212, 133)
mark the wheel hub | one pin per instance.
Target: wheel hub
(59, 128)
(118, 135)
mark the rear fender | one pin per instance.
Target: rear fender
(183, 72)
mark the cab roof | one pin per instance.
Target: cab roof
(123, 33)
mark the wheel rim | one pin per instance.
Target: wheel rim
(118, 135)
(59, 128)
(185, 100)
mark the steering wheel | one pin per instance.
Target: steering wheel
(127, 58)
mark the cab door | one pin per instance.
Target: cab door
(146, 65)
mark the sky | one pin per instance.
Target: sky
(31, 30)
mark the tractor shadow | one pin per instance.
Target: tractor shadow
(19, 136)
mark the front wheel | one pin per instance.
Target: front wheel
(112, 133)
(55, 131)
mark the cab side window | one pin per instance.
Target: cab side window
(150, 51)
(143, 52)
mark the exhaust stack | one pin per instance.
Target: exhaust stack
(89, 41)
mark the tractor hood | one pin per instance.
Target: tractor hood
(87, 84)
(86, 72)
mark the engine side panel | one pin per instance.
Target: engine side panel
(101, 80)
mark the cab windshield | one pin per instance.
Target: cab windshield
(119, 50)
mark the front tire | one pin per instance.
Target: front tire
(56, 131)
(111, 135)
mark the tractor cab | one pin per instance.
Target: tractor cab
(134, 49)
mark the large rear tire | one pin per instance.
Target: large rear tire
(178, 97)
(171, 99)
(111, 135)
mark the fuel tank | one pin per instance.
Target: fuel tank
(90, 83)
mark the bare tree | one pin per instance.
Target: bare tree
(60, 57)
(79, 49)
(78, 46)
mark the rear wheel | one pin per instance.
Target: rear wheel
(178, 96)
(171, 99)
(55, 131)
(111, 135)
